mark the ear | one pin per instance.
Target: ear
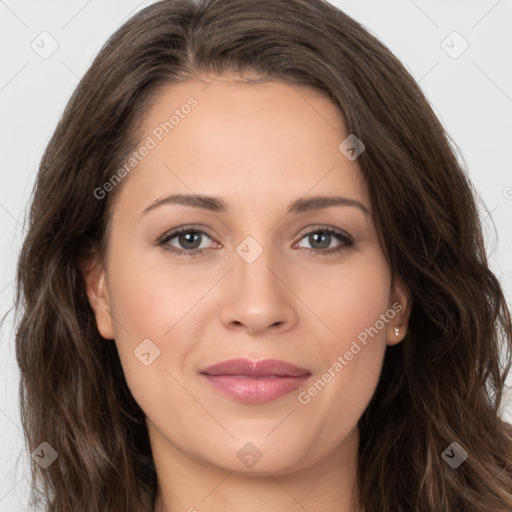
(98, 295)
(401, 303)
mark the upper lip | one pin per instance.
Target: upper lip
(263, 368)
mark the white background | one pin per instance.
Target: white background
(471, 94)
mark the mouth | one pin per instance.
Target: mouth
(255, 382)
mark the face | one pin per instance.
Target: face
(277, 258)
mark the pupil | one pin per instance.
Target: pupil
(322, 239)
(188, 239)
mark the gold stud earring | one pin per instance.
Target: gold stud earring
(397, 328)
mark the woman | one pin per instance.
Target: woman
(255, 279)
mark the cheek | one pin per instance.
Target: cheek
(151, 307)
(150, 297)
(354, 307)
(165, 303)
(350, 298)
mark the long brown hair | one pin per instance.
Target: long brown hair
(442, 384)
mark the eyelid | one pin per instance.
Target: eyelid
(313, 228)
(183, 229)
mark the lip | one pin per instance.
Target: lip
(255, 382)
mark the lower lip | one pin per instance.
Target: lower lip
(255, 390)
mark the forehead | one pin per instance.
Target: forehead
(223, 136)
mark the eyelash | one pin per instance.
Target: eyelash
(192, 253)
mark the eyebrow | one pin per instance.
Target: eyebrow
(215, 204)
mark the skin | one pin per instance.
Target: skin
(258, 147)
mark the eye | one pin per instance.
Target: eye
(189, 242)
(185, 241)
(326, 241)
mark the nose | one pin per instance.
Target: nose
(258, 298)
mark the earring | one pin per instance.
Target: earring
(397, 328)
